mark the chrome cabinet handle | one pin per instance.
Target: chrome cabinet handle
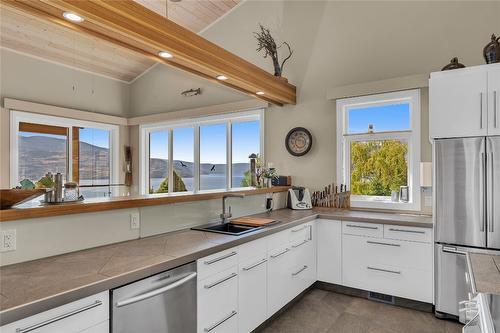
(155, 292)
(410, 231)
(220, 322)
(300, 229)
(495, 115)
(481, 110)
(361, 226)
(383, 270)
(254, 265)
(381, 243)
(211, 285)
(299, 271)
(210, 262)
(300, 244)
(279, 254)
(60, 317)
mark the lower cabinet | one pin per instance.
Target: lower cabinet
(329, 239)
(252, 293)
(89, 315)
(278, 277)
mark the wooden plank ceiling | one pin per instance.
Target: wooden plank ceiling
(34, 36)
(130, 25)
(28, 34)
(195, 15)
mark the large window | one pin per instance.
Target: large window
(379, 149)
(202, 154)
(83, 152)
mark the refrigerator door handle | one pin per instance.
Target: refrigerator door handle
(483, 201)
(491, 197)
(453, 250)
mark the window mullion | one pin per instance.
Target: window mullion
(170, 153)
(196, 159)
(229, 153)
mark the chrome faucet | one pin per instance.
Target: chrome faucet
(225, 216)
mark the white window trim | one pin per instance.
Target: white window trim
(19, 116)
(413, 137)
(195, 123)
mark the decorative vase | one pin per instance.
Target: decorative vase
(454, 64)
(491, 51)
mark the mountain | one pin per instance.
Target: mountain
(40, 154)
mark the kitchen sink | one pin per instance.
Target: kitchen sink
(227, 228)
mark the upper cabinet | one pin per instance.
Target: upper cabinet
(462, 102)
(494, 101)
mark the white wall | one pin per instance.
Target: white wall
(338, 43)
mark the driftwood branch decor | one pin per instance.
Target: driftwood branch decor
(266, 42)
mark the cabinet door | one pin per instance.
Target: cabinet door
(279, 272)
(494, 100)
(458, 104)
(329, 239)
(252, 293)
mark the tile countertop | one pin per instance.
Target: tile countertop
(486, 272)
(35, 286)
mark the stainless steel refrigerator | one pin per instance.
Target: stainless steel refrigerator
(467, 210)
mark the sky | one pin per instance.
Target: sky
(384, 118)
(246, 137)
(93, 136)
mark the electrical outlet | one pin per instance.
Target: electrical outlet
(135, 222)
(7, 240)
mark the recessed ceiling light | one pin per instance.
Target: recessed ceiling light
(165, 54)
(72, 17)
(260, 93)
(221, 77)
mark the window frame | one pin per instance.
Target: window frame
(411, 136)
(17, 117)
(195, 123)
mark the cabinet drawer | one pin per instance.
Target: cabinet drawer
(277, 240)
(279, 269)
(300, 232)
(402, 282)
(227, 324)
(69, 318)
(372, 251)
(408, 233)
(217, 262)
(217, 297)
(252, 249)
(363, 229)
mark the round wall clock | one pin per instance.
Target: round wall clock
(298, 141)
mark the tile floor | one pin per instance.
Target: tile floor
(328, 312)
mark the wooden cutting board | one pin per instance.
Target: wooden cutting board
(252, 221)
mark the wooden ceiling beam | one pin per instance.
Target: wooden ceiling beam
(128, 24)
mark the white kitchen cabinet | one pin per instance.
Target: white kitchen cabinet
(252, 293)
(329, 243)
(457, 103)
(395, 265)
(89, 314)
(218, 301)
(494, 100)
(279, 270)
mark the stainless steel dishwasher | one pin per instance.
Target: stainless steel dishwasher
(163, 303)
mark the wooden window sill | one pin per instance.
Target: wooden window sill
(98, 205)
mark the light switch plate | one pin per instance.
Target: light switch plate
(7, 240)
(135, 222)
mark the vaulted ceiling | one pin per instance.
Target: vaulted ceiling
(27, 34)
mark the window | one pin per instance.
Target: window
(203, 154)
(82, 151)
(378, 139)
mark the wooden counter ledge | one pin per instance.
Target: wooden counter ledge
(97, 205)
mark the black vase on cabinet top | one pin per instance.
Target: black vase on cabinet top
(491, 51)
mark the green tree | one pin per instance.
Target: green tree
(179, 185)
(378, 167)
